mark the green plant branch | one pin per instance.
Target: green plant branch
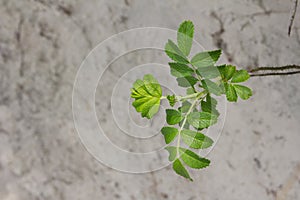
(201, 95)
(220, 80)
(195, 71)
(190, 96)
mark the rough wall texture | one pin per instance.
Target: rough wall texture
(42, 44)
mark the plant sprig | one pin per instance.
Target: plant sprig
(197, 111)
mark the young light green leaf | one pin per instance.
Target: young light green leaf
(240, 76)
(175, 53)
(169, 133)
(172, 152)
(180, 169)
(195, 139)
(187, 81)
(173, 116)
(147, 94)
(242, 91)
(185, 37)
(201, 120)
(230, 92)
(152, 85)
(206, 59)
(227, 71)
(212, 87)
(180, 70)
(171, 99)
(193, 160)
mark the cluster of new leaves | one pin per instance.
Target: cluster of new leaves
(203, 80)
(147, 94)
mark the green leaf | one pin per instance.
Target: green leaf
(152, 86)
(195, 139)
(171, 99)
(172, 152)
(147, 94)
(180, 70)
(180, 170)
(193, 160)
(212, 87)
(230, 92)
(190, 90)
(211, 100)
(201, 120)
(173, 116)
(187, 81)
(227, 71)
(242, 91)
(185, 37)
(175, 53)
(210, 105)
(240, 76)
(208, 72)
(185, 107)
(169, 133)
(206, 59)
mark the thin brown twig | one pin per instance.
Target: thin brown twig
(275, 71)
(275, 74)
(282, 68)
(293, 17)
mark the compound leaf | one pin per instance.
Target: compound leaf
(147, 94)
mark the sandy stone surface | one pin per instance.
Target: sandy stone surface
(43, 43)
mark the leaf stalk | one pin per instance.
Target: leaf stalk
(199, 96)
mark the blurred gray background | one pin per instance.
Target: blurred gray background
(42, 44)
